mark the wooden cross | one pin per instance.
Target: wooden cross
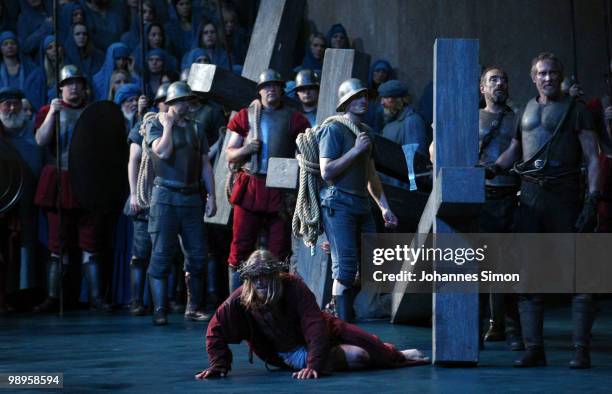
(457, 193)
(272, 43)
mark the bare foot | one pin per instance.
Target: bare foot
(414, 355)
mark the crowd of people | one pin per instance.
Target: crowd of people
(100, 56)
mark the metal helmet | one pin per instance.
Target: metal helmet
(306, 79)
(70, 71)
(178, 90)
(347, 90)
(162, 92)
(269, 76)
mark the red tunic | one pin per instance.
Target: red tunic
(251, 192)
(232, 324)
(46, 193)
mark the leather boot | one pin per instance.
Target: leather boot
(92, 273)
(514, 338)
(195, 285)
(532, 321)
(51, 303)
(495, 333)
(583, 314)
(137, 281)
(174, 304)
(27, 268)
(159, 293)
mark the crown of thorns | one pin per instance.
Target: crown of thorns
(262, 267)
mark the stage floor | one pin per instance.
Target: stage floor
(120, 353)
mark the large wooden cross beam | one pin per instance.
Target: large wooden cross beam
(272, 43)
(457, 193)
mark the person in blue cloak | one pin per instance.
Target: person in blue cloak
(40, 84)
(117, 57)
(380, 72)
(34, 24)
(14, 67)
(156, 65)
(196, 55)
(107, 20)
(79, 50)
(127, 98)
(70, 14)
(315, 50)
(337, 37)
(236, 36)
(156, 39)
(209, 40)
(182, 27)
(131, 38)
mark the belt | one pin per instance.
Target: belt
(547, 180)
(187, 189)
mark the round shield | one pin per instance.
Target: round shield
(98, 158)
(11, 175)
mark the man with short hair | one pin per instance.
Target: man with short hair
(183, 178)
(279, 317)
(17, 128)
(307, 91)
(348, 168)
(88, 225)
(554, 135)
(266, 129)
(496, 129)
(141, 244)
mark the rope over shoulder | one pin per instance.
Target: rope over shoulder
(146, 175)
(306, 223)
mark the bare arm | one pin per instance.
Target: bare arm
(45, 132)
(376, 191)
(163, 146)
(209, 184)
(133, 166)
(331, 168)
(236, 151)
(590, 150)
(510, 156)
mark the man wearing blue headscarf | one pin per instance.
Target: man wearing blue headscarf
(127, 98)
(14, 68)
(18, 129)
(380, 72)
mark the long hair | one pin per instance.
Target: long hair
(249, 297)
(113, 78)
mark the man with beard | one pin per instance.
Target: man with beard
(496, 129)
(348, 168)
(75, 221)
(183, 178)
(127, 98)
(279, 317)
(265, 129)
(17, 128)
(554, 135)
(307, 90)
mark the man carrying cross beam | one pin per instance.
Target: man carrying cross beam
(346, 165)
(265, 129)
(554, 135)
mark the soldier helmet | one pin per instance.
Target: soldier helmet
(306, 79)
(269, 76)
(347, 91)
(162, 92)
(178, 90)
(70, 71)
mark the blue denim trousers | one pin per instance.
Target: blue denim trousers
(345, 217)
(166, 224)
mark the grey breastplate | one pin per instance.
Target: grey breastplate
(182, 168)
(68, 120)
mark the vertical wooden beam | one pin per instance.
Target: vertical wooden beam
(455, 320)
